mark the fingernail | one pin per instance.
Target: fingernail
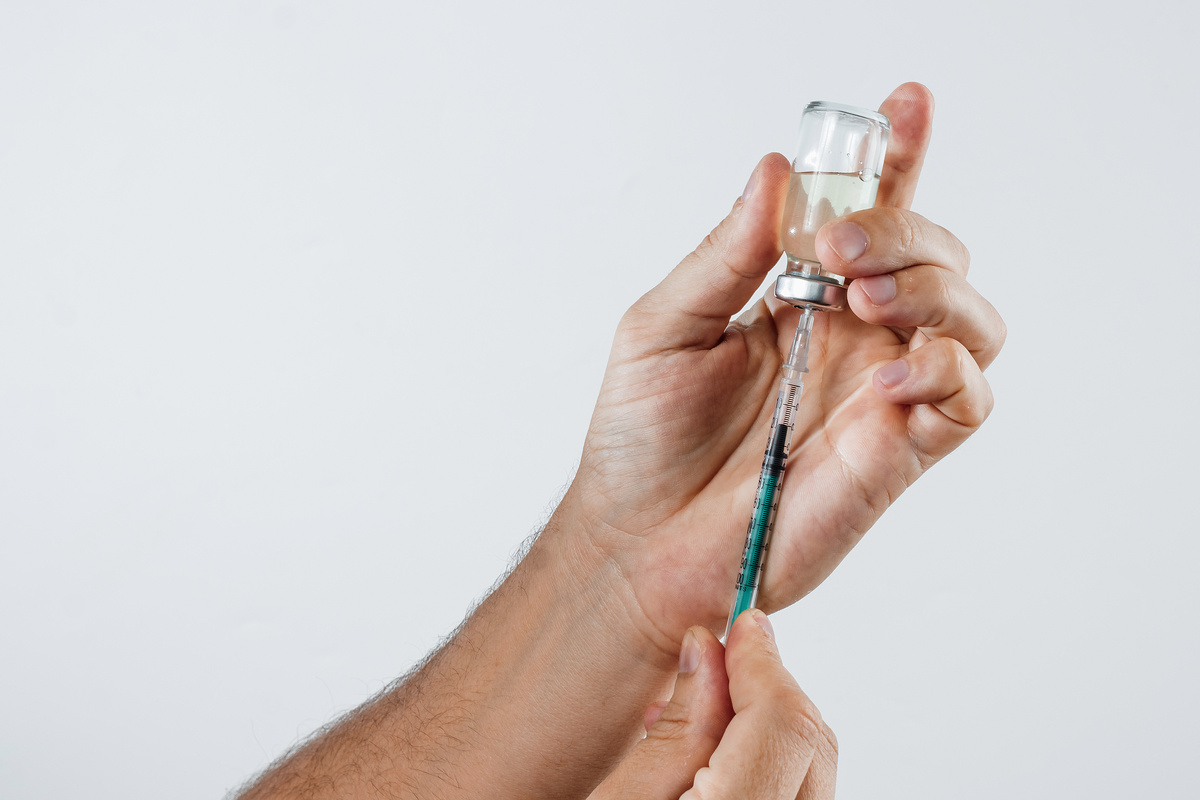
(750, 184)
(847, 240)
(689, 654)
(880, 289)
(764, 623)
(894, 373)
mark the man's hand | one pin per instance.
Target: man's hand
(669, 469)
(737, 726)
(532, 695)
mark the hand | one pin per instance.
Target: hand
(671, 462)
(751, 734)
(648, 539)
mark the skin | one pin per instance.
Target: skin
(737, 726)
(539, 691)
(667, 495)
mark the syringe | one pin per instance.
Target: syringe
(836, 172)
(783, 422)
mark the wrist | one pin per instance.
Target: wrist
(538, 694)
(563, 614)
(591, 567)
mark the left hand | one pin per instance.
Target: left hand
(737, 726)
(669, 470)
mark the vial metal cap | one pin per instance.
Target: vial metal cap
(813, 291)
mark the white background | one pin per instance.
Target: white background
(304, 306)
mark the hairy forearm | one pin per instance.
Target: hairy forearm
(538, 694)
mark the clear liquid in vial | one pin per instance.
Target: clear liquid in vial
(815, 198)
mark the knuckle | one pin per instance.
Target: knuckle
(800, 735)
(704, 786)
(830, 739)
(626, 334)
(712, 245)
(638, 316)
(977, 401)
(957, 351)
(637, 311)
(904, 231)
(993, 333)
(807, 730)
(631, 317)
(671, 726)
(963, 251)
(801, 721)
(1001, 332)
(957, 251)
(976, 410)
(807, 725)
(982, 408)
(638, 333)
(780, 694)
(944, 300)
(956, 357)
(722, 248)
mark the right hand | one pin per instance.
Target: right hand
(737, 726)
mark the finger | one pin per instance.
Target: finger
(821, 780)
(949, 395)
(910, 110)
(685, 733)
(770, 745)
(693, 304)
(653, 712)
(940, 303)
(879, 240)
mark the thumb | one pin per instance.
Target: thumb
(693, 304)
(684, 735)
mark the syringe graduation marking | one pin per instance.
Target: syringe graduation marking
(762, 521)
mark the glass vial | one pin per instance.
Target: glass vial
(836, 171)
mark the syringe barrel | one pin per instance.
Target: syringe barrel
(766, 498)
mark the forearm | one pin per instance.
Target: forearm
(538, 694)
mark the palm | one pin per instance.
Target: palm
(712, 409)
(851, 456)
